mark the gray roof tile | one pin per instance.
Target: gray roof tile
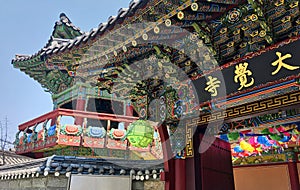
(12, 158)
(73, 165)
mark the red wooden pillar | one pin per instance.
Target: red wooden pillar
(180, 174)
(169, 171)
(200, 171)
(80, 105)
(53, 121)
(294, 177)
(129, 112)
(174, 173)
(191, 175)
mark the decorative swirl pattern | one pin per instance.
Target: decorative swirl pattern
(234, 15)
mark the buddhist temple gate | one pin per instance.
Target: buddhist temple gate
(226, 68)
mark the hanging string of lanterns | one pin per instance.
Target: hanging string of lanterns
(247, 143)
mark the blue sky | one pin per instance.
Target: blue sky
(25, 28)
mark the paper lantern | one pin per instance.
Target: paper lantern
(264, 140)
(140, 134)
(285, 139)
(238, 149)
(275, 137)
(224, 137)
(233, 136)
(246, 146)
(253, 142)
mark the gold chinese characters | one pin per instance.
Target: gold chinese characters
(279, 63)
(212, 85)
(241, 73)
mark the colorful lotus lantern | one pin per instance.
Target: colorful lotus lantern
(140, 134)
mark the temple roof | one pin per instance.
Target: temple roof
(66, 34)
(64, 30)
(230, 29)
(39, 66)
(66, 165)
(11, 158)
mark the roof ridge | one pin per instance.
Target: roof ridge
(23, 164)
(84, 36)
(65, 19)
(54, 40)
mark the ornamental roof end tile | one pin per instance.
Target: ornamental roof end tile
(64, 19)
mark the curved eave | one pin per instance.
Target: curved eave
(27, 62)
(123, 13)
(103, 28)
(124, 17)
(55, 41)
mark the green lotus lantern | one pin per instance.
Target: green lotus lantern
(140, 133)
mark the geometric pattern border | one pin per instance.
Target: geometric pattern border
(236, 112)
(251, 108)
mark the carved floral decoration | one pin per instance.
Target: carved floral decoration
(96, 132)
(67, 129)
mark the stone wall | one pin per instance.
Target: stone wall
(154, 185)
(61, 183)
(148, 185)
(41, 183)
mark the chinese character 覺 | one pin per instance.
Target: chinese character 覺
(279, 63)
(241, 73)
(212, 84)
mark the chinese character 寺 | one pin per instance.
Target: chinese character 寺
(241, 74)
(279, 63)
(212, 85)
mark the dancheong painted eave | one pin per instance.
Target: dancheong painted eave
(222, 25)
(62, 54)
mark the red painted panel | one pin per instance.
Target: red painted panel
(216, 180)
(116, 144)
(93, 142)
(146, 149)
(216, 167)
(69, 140)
